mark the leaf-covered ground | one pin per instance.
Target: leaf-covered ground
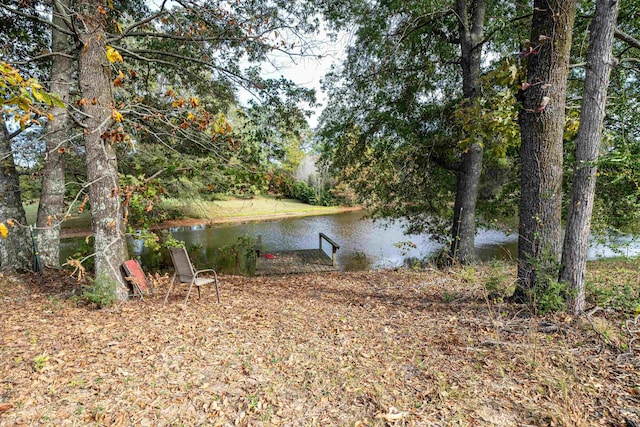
(428, 348)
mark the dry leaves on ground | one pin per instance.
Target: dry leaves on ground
(341, 349)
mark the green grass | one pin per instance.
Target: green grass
(195, 208)
(76, 220)
(235, 207)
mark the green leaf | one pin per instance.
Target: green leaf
(56, 101)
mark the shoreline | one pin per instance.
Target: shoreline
(189, 222)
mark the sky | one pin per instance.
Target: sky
(308, 72)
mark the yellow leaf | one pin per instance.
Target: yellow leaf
(222, 125)
(194, 102)
(190, 116)
(4, 231)
(23, 121)
(115, 115)
(34, 84)
(513, 73)
(37, 94)
(113, 55)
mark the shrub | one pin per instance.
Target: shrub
(552, 297)
(238, 257)
(305, 193)
(101, 292)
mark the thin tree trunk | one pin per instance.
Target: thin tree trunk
(102, 172)
(599, 64)
(51, 207)
(463, 231)
(542, 125)
(16, 251)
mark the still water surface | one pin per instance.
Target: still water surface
(364, 244)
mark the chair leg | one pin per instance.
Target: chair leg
(217, 290)
(189, 291)
(198, 292)
(137, 287)
(169, 290)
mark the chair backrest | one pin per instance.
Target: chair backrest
(182, 264)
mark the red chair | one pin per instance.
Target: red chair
(137, 278)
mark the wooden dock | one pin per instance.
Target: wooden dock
(298, 261)
(295, 262)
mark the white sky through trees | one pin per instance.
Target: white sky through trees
(306, 71)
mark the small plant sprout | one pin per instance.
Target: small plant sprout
(40, 362)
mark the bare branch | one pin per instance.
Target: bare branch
(627, 38)
(44, 56)
(135, 25)
(15, 133)
(37, 19)
(493, 32)
(139, 55)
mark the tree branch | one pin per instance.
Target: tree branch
(493, 32)
(138, 54)
(15, 133)
(629, 39)
(135, 25)
(44, 56)
(37, 19)
(20, 130)
(478, 18)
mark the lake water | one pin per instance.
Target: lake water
(364, 244)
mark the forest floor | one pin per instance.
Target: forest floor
(396, 348)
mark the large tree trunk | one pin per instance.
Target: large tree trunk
(102, 172)
(599, 65)
(16, 251)
(471, 22)
(542, 125)
(51, 207)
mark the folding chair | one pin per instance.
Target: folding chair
(137, 278)
(185, 273)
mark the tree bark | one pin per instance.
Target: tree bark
(102, 171)
(463, 231)
(599, 64)
(16, 251)
(542, 124)
(51, 207)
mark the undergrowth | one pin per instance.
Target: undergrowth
(101, 292)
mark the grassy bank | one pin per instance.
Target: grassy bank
(194, 210)
(76, 220)
(235, 208)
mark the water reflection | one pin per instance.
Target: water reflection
(364, 244)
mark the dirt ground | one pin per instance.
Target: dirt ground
(396, 348)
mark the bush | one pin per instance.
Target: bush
(304, 192)
(238, 257)
(155, 245)
(101, 292)
(552, 297)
